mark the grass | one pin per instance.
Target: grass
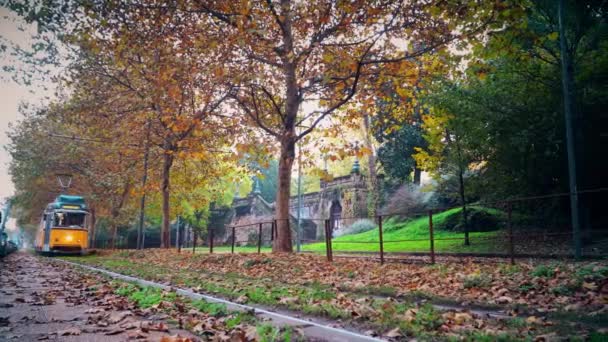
(319, 299)
(213, 309)
(145, 297)
(417, 230)
(394, 232)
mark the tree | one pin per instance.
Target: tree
(174, 95)
(283, 54)
(267, 179)
(39, 150)
(395, 153)
(277, 56)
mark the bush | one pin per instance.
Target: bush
(358, 226)
(407, 200)
(478, 219)
(543, 271)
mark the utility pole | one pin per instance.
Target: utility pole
(144, 180)
(568, 89)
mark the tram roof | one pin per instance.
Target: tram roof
(68, 202)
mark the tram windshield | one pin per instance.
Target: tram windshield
(69, 219)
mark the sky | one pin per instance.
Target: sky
(11, 93)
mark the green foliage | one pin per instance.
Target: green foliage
(516, 322)
(316, 292)
(213, 309)
(144, 297)
(269, 180)
(252, 262)
(477, 281)
(510, 269)
(268, 333)
(126, 290)
(525, 288)
(563, 290)
(238, 318)
(479, 220)
(591, 273)
(149, 296)
(396, 150)
(598, 337)
(543, 271)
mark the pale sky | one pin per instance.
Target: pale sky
(11, 93)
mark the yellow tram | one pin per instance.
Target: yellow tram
(63, 227)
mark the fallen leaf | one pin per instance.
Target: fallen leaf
(175, 338)
(70, 331)
(94, 311)
(462, 317)
(115, 331)
(251, 333)
(394, 333)
(532, 320)
(504, 300)
(288, 300)
(119, 316)
(590, 286)
(159, 327)
(137, 334)
(242, 299)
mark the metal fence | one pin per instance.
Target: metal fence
(527, 227)
(530, 227)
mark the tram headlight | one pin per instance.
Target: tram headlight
(69, 238)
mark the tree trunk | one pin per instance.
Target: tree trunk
(282, 243)
(464, 207)
(194, 238)
(569, 99)
(92, 228)
(144, 180)
(417, 175)
(114, 235)
(461, 169)
(165, 237)
(288, 138)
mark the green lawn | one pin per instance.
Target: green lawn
(394, 232)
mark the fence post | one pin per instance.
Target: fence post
(329, 252)
(260, 239)
(272, 229)
(511, 242)
(233, 239)
(431, 237)
(381, 240)
(210, 240)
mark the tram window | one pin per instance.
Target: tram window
(69, 219)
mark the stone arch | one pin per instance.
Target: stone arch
(335, 215)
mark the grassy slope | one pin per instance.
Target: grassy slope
(416, 229)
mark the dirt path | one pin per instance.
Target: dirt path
(46, 301)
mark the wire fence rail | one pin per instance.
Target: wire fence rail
(528, 228)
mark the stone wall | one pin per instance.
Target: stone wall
(346, 194)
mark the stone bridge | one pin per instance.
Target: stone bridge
(341, 200)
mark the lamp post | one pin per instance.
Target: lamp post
(299, 215)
